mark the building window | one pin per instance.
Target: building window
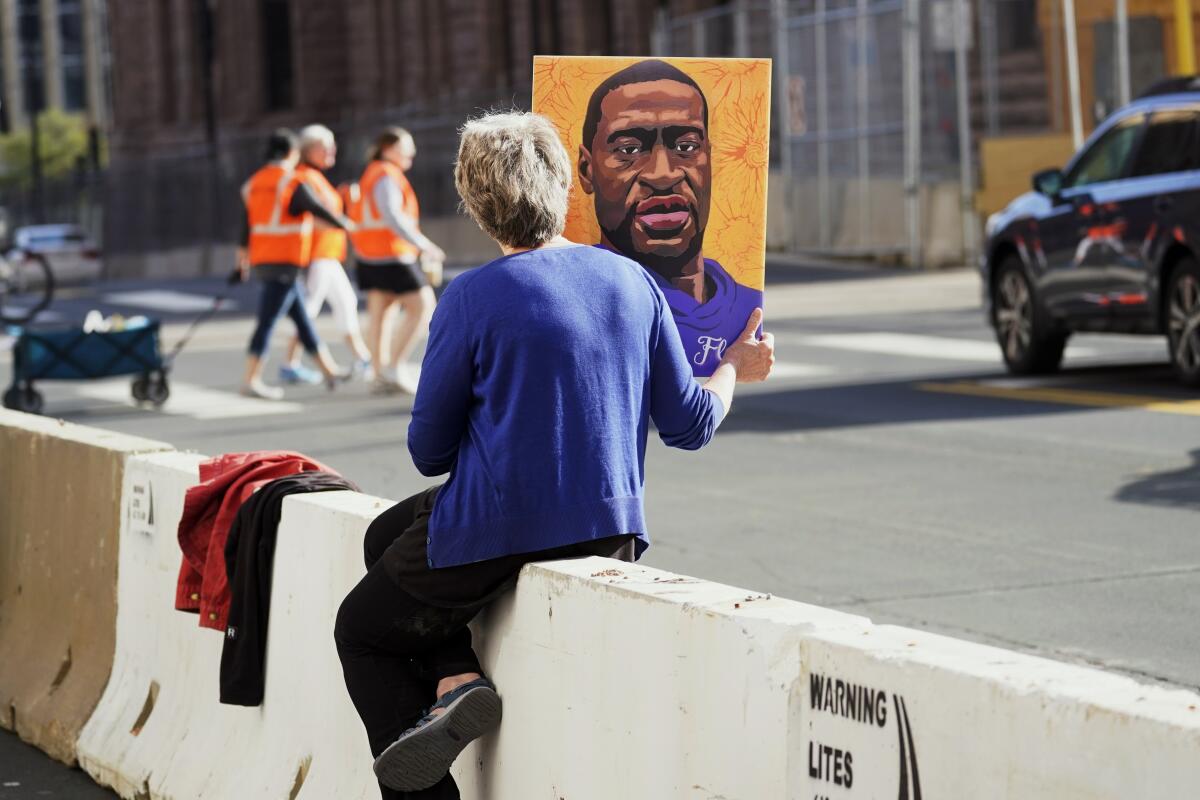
(29, 34)
(70, 32)
(277, 50)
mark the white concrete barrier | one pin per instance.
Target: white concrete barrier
(159, 731)
(622, 681)
(619, 681)
(60, 488)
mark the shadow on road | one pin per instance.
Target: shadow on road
(1177, 488)
(784, 274)
(901, 401)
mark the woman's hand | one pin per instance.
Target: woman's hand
(434, 252)
(750, 356)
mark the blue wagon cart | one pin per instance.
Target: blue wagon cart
(72, 354)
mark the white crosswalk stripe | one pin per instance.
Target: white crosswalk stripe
(166, 300)
(919, 346)
(793, 369)
(188, 400)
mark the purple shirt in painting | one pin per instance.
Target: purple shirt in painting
(707, 328)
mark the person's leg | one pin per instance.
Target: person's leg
(272, 299)
(309, 338)
(418, 309)
(378, 302)
(344, 302)
(379, 631)
(318, 282)
(398, 655)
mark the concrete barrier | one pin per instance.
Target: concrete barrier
(60, 486)
(624, 681)
(619, 681)
(159, 731)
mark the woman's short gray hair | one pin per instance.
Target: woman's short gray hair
(514, 177)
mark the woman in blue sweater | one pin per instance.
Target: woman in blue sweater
(544, 371)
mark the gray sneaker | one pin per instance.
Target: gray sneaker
(423, 754)
(262, 391)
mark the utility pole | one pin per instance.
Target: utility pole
(962, 32)
(912, 129)
(1073, 72)
(205, 12)
(1124, 92)
(35, 95)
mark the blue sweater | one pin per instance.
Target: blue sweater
(542, 373)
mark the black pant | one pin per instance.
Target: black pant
(276, 298)
(394, 649)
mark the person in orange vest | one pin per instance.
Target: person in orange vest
(325, 279)
(389, 245)
(276, 245)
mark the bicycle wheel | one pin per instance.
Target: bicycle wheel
(26, 287)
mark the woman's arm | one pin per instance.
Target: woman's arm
(305, 201)
(391, 208)
(440, 410)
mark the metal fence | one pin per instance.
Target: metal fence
(880, 105)
(191, 198)
(851, 136)
(878, 112)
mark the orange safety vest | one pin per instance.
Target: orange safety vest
(276, 237)
(328, 242)
(375, 240)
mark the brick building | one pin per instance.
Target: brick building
(197, 83)
(348, 62)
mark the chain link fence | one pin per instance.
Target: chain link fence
(896, 125)
(189, 200)
(885, 111)
(192, 199)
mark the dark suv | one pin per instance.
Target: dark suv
(1108, 244)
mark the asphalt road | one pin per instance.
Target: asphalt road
(889, 469)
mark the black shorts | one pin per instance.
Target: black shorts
(394, 276)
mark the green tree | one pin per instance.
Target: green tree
(62, 141)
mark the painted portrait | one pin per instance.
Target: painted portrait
(671, 171)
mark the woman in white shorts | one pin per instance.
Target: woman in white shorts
(326, 279)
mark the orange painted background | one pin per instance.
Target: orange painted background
(738, 91)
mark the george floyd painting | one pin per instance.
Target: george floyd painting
(671, 163)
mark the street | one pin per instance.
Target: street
(890, 468)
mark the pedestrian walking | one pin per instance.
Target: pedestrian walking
(325, 280)
(277, 245)
(389, 245)
(543, 373)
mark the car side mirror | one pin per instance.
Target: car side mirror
(1049, 182)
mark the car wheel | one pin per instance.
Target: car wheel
(1183, 321)
(1028, 342)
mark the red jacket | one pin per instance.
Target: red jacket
(209, 509)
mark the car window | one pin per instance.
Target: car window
(1170, 145)
(55, 238)
(1107, 158)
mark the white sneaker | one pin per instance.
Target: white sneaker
(406, 381)
(262, 391)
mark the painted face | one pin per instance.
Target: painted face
(649, 169)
